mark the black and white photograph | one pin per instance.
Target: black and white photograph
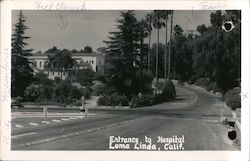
(124, 80)
(137, 80)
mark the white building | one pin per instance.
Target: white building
(95, 61)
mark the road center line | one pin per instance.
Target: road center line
(21, 135)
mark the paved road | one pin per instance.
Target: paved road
(193, 119)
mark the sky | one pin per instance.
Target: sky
(77, 29)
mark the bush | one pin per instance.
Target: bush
(177, 77)
(75, 93)
(232, 98)
(41, 78)
(168, 91)
(144, 100)
(99, 89)
(193, 78)
(158, 85)
(85, 76)
(38, 92)
(202, 82)
(76, 102)
(114, 99)
(87, 92)
(124, 100)
(62, 91)
(214, 87)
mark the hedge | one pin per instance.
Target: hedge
(232, 98)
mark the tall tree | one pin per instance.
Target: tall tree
(122, 52)
(158, 23)
(142, 30)
(87, 49)
(216, 52)
(52, 50)
(167, 12)
(21, 71)
(61, 61)
(170, 45)
(182, 54)
(149, 21)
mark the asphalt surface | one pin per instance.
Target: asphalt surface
(194, 116)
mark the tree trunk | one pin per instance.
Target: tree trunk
(166, 48)
(170, 46)
(141, 59)
(157, 56)
(149, 39)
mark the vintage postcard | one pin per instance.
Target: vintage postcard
(116, 80)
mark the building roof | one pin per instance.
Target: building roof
(73, 54)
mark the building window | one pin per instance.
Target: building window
(40, 64)
(35, 64)
(92, 62)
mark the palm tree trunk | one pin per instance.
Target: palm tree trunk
(149, 39)
(157, 56)
(141, 58)
(166, 48)
(170, 46)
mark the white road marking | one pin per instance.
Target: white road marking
(73, 118)
(65, 119)
(56, 120)
(18, 126)
(21, 135)
(211, 120)
(33, 124)
(47, 122)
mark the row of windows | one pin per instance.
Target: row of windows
(40, 63)
(88, 61)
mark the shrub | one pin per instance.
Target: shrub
(158, 85)
(87, 92)
(124, 100)
(41, 78)
(168, 91)
(193, 78)
(32, 93)
(75, 93)
(38, 92)
(103, 101)
(114, 99)
(85, 76)
(144, 100)
(214, 87)
(99, 89)
(177, 77)
(232, 98)
(62, 91)
(202, 82)
(76, 102)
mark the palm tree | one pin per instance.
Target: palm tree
(167, 12)
(149, 21)
(170, 44)
(157, 23)
(142, 24)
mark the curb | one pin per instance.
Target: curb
(234, 116)
(217, 94)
